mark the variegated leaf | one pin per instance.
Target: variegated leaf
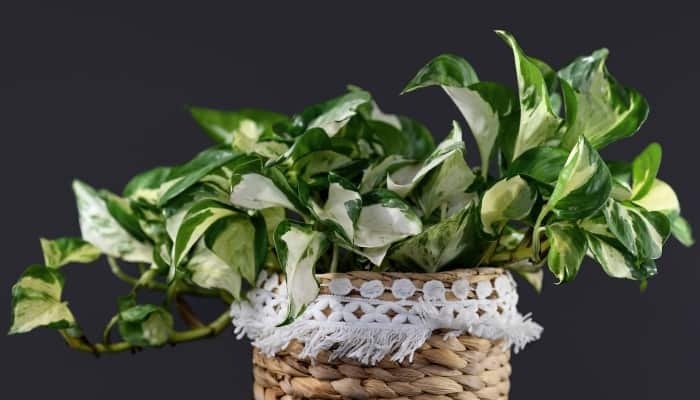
(209, 271)
(62, 251)
(597, 106)
(444, 184)
(406, 178)
(453, 240)
(36, 301)
(508, 199)
(584, 184)
(101, 229)
(384, 219)
(198, 219)
(567, 247)
(538, 122)
(144, 325)
(241, 242)
(298, 248)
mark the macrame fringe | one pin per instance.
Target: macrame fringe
(364, 343)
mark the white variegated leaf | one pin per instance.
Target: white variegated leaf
(339, 112)
(615, 263)
(376, 174)
(342, 208)
(584, 184)
(385, 219)
(298, 248)
(508, 199)
(247, 140)
(100, 228)
(62, 251)
(257, 192)
(36, 301)
(538, 123)
(196, 221)
(453, 240)
(567, 248)
(406, 178)
(210, 272)
(445, 184)
(660, 197)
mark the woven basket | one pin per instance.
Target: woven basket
(444, 368)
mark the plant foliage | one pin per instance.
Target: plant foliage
(343, 186)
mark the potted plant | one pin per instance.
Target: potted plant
(363, 260)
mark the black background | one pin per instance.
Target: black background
(97, 92)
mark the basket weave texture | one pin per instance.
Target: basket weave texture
(445, 367)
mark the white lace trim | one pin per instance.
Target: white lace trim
(368, 328)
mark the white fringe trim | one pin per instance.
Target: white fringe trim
(370, 342)
(366, 343)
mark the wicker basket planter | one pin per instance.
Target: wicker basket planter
(452, 341)
(463, 367)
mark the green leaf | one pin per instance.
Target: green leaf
(489, 108)
(652, 229)
(597, 106)
(195, 223)
(241, 242)
(309, 142)
(320, 162)
(145, 325)
(616, 261)
(644, 169)
(492, 112)
(621, 173)
(444, 70)
(538, 122)
(334, 114)
(584, 184)
(36, 301)
(342, 208)
(145, 186)
(123, 213)
(257, 192)
(375, 176)
(209, 271)
(186, 175)
(444, 184)
(228, 126)
(508, 199)
(273, 216)
(384, 219)
(406, 178)
(660, 197)
(621, 224)
(101, 229)
(417, 138)
(454, 240)
(542, 164)
(62, 251)
(567, 248)
(298, 248)
(680, 228)
(552, 81)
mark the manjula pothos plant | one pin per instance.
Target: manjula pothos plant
(344, 186)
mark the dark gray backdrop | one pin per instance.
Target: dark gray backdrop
(97, 92)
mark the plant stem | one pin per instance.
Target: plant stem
(334, 259)
(108, 329)
(212, 329)
(119, 273)
(536, 231)
(149, 283)
(186, 313)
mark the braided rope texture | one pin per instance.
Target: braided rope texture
(446, 367)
